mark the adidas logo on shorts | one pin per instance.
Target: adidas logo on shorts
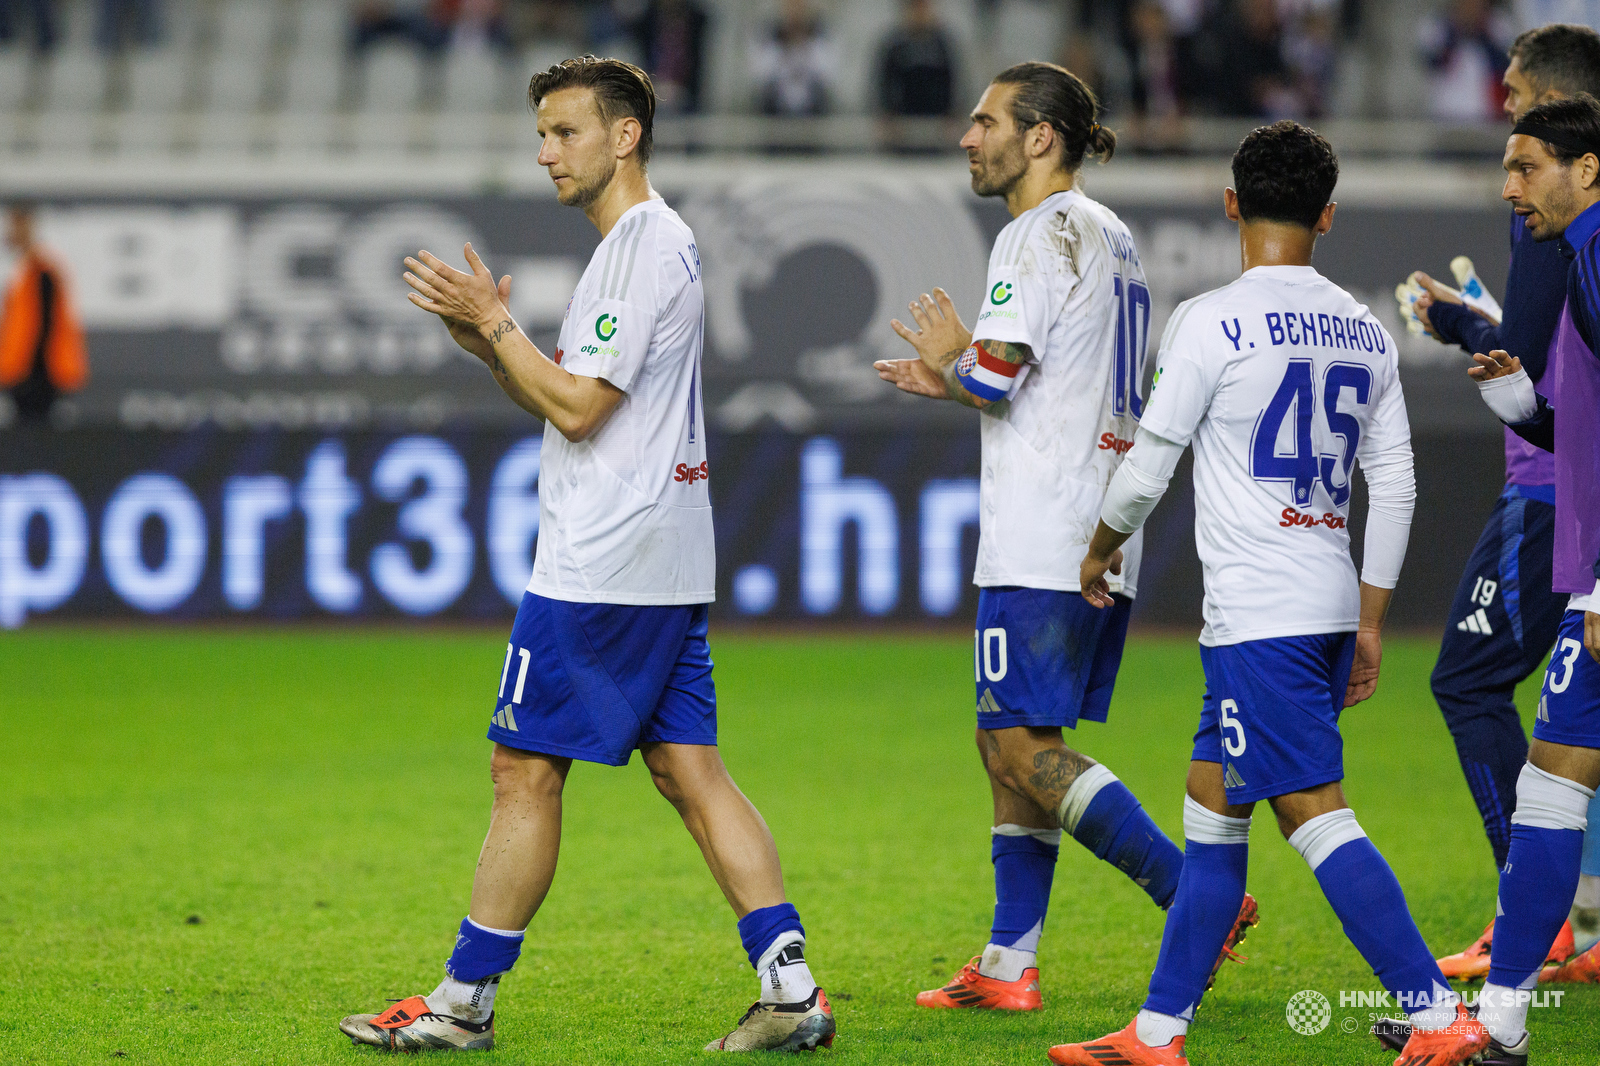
(505, 719)
(1476, 622)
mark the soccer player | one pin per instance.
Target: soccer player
(1282, 382)
(1505, 617)
(1553, 165)
(608, 652)
(1054, 370)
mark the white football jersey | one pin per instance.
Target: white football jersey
(1064, 279)
(1283, 382)
(625, 516)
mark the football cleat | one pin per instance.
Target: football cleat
(1247, 917)
(1392, 1033)
(969, 988)
(1459, 1042)
(1472, 964)
(1497, 1054)
(782, 1027)
(410, 1026)
(1120, 1049)
(1581, 969)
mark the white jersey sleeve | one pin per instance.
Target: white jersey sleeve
(1184, 383)
(1020, 304)
(618, 320)
(1384, 455)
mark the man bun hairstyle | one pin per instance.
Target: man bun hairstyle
(1050, 93)
(1569, 129)
(1284, 172)
(1560, 58)
(621, 90)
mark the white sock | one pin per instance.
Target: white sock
(471, 1002)
(785, 977)
(1159, 1030)
(1585, 916)
(1007, 964)
(1504, 1012)
(1441, 1014)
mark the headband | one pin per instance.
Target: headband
(1559, 138)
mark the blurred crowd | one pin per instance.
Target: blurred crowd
(1154, 60)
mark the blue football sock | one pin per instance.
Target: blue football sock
(1024, 866)
(760, 928)
(1365, 895)
(1103, 816)
(1536, 890)
(1591, 839)
(1210, 889)
(481, 952)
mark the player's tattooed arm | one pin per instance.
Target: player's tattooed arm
(1006, 351)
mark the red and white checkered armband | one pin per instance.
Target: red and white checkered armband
(986, 376)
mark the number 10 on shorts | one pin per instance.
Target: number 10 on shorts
(989, 654)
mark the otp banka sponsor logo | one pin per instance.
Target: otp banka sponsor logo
(605, 327)
(1000, 293)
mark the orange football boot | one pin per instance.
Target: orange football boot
(1122, 1049)
(1459, 1042)
(1473, 963)
(1581, 969)
(1248, 917)
(969, 988)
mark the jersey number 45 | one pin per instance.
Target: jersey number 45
(1305, 465)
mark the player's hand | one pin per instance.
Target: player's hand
(913, 376)
(473, 300)
(940, 336)
(1364, 670)
(1092, 577)
(1591, 634)
(467, 335)
(1497, 364)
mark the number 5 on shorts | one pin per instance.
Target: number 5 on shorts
(1231, 723)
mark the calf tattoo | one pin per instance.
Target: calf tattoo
(1055, 769)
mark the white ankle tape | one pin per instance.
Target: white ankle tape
(1043, 836)
(1325, 834)
(1081, 794)
(1546, 801)
(1205, 826)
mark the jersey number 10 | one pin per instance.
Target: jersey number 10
(1304, 466)
(1133, 337)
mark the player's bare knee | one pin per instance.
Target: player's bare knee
(520, 773)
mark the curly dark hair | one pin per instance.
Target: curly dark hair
(1050, 93)
(1284, 172)
(1578, 121)
(621, 90)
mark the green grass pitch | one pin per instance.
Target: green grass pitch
(315, 799)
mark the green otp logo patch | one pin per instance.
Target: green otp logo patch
(605, 327)
(1000, 293)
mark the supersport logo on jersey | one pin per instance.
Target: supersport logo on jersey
(1292, 517)
(1000, 293)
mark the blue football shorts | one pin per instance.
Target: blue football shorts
(1045, 658)
(1271, 713)
(594, 681)
(1569, 702)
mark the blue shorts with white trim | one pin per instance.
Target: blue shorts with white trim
(1046, 658)
(1569, 703)
(1271, 713)
(594, 681)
